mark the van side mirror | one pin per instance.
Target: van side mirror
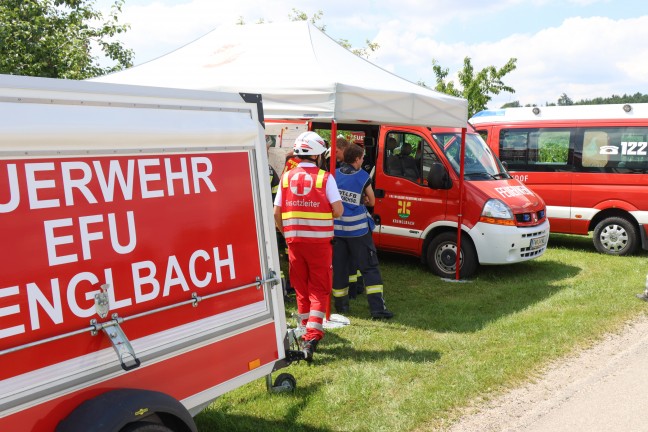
(438, 177)
(505, 165)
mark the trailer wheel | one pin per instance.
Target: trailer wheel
(123, 410)
(615, 236)
(442, 256)
(145, 427)
(285, 382)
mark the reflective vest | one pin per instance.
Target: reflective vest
(305, 210)
(354, 222)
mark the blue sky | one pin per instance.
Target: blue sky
(584, 48)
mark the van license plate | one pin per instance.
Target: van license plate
(538, 242)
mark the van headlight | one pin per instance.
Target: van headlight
(497, 212)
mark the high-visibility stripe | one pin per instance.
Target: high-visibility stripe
(315, 325)
(275, 188)
(320, 179)
(362, 217)
(306, 215)
(317, 314)
(353, 278)
(308, 234)
(284, 181)
(341, 292)
(309, 222)
(355, 227)
(374, 289)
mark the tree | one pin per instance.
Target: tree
(56, 38)
(615, 99)
(565, 100)
(298, 15)
(514, 104)
(478, 87)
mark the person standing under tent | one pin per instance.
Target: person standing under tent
(306, 203)
(353, 236)
(355, 277)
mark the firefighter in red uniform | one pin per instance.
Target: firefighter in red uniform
(306, 203)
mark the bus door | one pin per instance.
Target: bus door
(543, 159)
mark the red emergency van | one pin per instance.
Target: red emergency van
(415, 172)
(588, 162)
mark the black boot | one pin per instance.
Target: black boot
(341, 304)
(377, 307)
(309, 348)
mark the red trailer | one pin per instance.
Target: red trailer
(139, 264)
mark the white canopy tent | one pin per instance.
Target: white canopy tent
(301, 73)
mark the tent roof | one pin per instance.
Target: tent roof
(301, 73)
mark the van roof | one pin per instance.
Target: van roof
(571, 112)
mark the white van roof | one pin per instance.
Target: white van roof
(571, 112)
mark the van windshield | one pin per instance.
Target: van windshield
(480, 162)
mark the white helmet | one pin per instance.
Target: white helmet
(309, 143)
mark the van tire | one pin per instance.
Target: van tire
(441, 256)
(616, 236)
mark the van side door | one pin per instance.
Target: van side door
(405, 205)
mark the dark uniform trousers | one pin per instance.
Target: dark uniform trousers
(360, 251)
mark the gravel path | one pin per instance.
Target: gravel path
(603, 388)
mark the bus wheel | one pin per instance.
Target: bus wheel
(615, 236)
(442, 256)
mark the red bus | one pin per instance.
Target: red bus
(588, 162)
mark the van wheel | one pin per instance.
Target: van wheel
(442, 256)
(615, 236)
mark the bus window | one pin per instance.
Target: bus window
(618, 149)
(535, 149)
(595, 144)
(553, 147)
(514, 147)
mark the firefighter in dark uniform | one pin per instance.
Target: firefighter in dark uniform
(353, 236)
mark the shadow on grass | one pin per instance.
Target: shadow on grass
(422, 300)
(216, 420)
(571, 242)
(335, 347)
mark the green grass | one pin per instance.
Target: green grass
(448, 345)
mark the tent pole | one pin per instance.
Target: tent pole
(461, 197)
(333, 157)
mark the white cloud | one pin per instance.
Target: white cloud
(582, 57)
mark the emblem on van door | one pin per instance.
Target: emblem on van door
(403, 209)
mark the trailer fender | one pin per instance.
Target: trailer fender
(113, 410)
